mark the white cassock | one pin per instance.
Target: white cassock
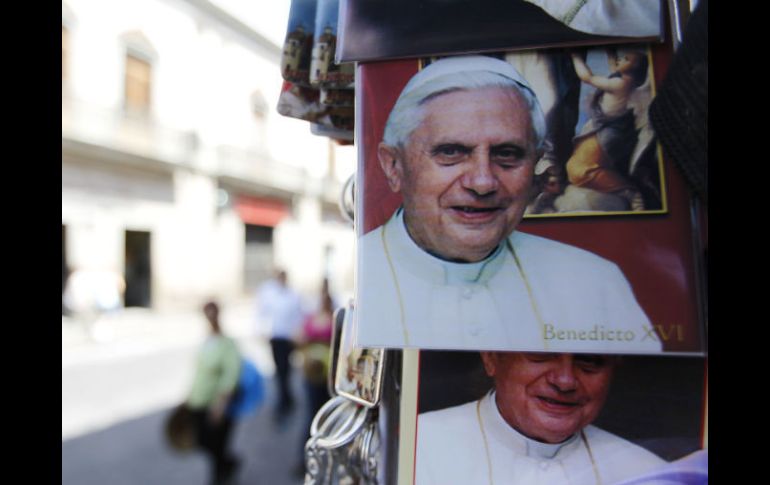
(548, 297)
(451, 450)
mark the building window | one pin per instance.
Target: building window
(258, 256)
(138, 83)
(141, 57)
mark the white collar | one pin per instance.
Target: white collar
(435, 270)
(504, 434)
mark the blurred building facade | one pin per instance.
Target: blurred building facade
(178, 174)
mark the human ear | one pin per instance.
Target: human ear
(389, 157)
(490, 362)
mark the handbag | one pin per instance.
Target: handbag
(180, 429)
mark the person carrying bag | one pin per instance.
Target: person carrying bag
(226, 387)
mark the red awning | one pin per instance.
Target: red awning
(260, 212)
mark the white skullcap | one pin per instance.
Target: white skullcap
(457, 72)
(456, 64)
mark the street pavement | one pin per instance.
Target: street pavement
(120, 381)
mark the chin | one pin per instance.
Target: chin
(464, 252)
(479, 242)
(559, 429)
(555, 435)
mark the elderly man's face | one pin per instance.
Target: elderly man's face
(549, 397)
(465, 172)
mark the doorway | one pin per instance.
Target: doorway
(137, 271)
(258, 257)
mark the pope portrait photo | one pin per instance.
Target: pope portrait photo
(537, 424)
(449, 269)
(358, 375)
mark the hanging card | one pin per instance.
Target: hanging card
(590, 267)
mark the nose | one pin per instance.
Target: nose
(562, 375)
(479, 178)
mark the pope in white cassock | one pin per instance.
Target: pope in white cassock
(448, 270)
(533, 428)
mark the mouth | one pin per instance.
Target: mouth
(475, 213)
(558, 405)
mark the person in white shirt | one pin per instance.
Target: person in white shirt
(279, 307)
(449, 270)
(534, 427)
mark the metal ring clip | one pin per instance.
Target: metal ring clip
(330, 407)
(337, 423)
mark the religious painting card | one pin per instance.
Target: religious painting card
(519, 201)
(389, 29)
(324, 72)
(298, 44)
(313, 83)
(523, 418)
(358, 372)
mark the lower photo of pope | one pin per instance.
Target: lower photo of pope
(559, 418)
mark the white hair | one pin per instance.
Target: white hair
(468, 73)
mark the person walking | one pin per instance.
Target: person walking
(216, 378)
(279, 307)
(314, 346)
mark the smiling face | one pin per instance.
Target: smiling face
(465, 172)
(549, 397)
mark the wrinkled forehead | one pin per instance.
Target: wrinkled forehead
(489, 112)
(451, 75)
(512, 90)
(460, 71)
(452, 82)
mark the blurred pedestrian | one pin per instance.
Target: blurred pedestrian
(216, 378)
(314, 345)
(326, 293)
(89, 293)
(280, 308)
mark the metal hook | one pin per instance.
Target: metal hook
(330, 409)
(348, 198)
(337, 423)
